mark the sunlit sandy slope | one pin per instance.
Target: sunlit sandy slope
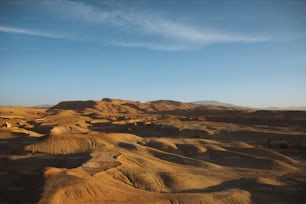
(117, 151)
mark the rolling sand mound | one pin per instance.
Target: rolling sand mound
(162, 145)
(68, 129)
(121, 151)
(265, 153)
(240, 144)
(65, 144)
(239, 160)
(214, 147)
(191, 149)
(269, 181)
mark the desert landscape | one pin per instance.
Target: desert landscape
(152, 102)
(120, 151)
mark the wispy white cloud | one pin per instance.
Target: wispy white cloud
(81, 11)
(196, 35)
(23, 31)
(151, 46)
(184, 36)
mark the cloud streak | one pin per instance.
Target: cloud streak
(23, 31)
(180, 35)
(151, 46)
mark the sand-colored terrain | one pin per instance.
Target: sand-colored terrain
(118, 151)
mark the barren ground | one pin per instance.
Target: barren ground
(116, 151)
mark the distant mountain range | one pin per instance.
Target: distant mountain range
(218, 103)
(285, 108)
(43, 106)
(207, 103)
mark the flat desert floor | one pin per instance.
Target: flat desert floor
(119, 151)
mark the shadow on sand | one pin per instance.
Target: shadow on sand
(151, 130)
(260, 193)
(22, 174)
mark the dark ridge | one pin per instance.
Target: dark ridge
(107, 99)
(170, 102)
(75, 105)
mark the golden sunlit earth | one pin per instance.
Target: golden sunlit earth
(168, 152)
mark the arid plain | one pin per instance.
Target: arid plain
(119, 151)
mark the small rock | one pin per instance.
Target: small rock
(7, 125)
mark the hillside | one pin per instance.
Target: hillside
(121, 151)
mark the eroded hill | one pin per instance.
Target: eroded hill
(118, 151)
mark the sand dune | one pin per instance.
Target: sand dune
(121, 151)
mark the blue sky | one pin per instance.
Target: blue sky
(250, 53)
